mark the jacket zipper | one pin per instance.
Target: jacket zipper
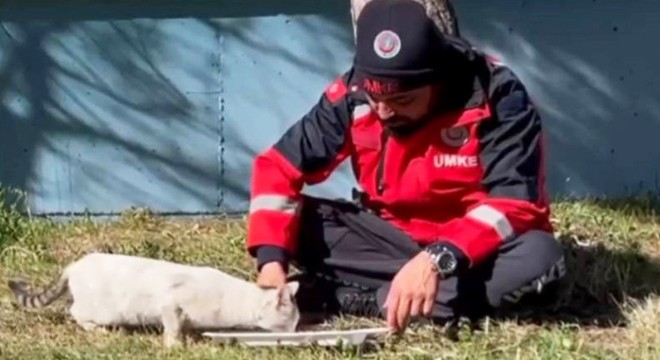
(384, 137)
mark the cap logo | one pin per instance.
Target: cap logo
(376, 87)
(387, 44)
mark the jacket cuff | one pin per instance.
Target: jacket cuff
(271, 253)
(463, 261)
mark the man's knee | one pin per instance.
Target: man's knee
(541, 257)
(540, 247)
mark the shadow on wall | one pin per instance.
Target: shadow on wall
(263, 95)
(589, 68)
(108, 106)
(104, 106)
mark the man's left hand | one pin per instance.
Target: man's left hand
(412, 292)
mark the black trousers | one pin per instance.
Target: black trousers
(346, 242)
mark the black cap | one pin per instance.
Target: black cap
(398, 47)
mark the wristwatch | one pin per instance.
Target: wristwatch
(443, 259)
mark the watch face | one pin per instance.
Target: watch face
(447, 262)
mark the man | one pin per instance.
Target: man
(453, 218)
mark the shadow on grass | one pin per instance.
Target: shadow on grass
(595, 290)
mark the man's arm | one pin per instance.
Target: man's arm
(306, 154)
(511, 154)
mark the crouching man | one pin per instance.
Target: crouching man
(452, 218)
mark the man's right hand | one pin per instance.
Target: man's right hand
(272, 274)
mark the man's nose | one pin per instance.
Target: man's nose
(384, 112)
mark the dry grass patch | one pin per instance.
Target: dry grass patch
(608, 308)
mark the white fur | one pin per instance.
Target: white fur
(120, 290)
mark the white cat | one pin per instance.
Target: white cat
(111, 290)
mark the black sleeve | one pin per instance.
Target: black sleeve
(511, 142)
(269, 253)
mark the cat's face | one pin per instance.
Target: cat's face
(279, 312)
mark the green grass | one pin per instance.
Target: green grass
(608, 308)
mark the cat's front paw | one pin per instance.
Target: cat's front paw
(172, 342)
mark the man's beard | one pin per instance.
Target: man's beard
(398, 122)
(402, 125)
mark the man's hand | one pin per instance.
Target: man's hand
(272, 274)
(412, 292)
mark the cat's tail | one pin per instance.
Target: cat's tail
(41, 299)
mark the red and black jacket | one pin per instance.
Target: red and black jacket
(472, 176)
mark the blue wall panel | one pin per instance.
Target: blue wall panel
(164, 103)
(273, 70)
(590, 67)
(118, 114)
(160, 104)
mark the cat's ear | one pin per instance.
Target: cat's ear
(286, 293)
(293, 287)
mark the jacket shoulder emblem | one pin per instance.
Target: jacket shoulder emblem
(336, 90)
